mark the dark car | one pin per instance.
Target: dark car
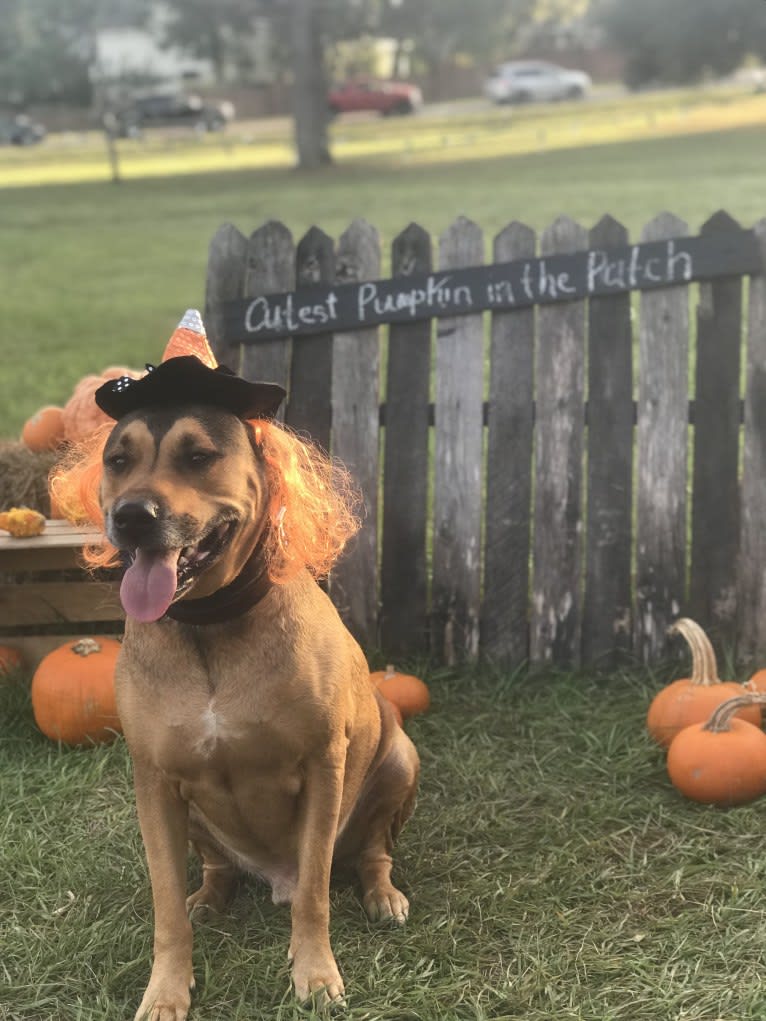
(18, 129)
(384, 97)
(169, 109)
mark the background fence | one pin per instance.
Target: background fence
(546, 483)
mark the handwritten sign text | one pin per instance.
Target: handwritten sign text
(499, 287)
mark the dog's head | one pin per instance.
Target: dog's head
(184, 497)
(189, 491)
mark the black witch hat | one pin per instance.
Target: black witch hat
(187, 380)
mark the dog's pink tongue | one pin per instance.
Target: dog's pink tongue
(149, 584)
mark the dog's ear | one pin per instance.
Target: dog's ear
(256, 434)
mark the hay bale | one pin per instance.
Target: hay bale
(24, 477)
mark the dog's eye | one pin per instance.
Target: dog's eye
(202, 458)
(116, 462)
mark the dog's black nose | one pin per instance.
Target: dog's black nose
(135, 519)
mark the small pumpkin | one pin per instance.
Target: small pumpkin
(73, 698)
(81, 415)
(406, 691)
(10, 660)
(44, 430)
(757, 682)
(723, 761)
(22, 522)
(692, 699)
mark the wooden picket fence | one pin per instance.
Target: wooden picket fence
(528, 494)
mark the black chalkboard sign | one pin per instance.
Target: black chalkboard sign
(323, 308)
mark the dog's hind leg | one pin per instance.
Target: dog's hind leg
(219, 879)
(374, 826)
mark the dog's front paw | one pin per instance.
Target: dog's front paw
(165, 1000)
(316, 978)
(386, 904)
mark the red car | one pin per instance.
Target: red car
(385, 97)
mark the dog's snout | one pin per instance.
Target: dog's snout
(134, 519)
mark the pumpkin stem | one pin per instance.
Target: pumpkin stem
(390, 671)
(85, 647)
(721, 718)
(704, 666)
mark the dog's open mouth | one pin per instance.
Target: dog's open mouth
(157, 577)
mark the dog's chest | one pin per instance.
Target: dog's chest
(215, 726)
(198, 710)
(216, 729)
(213, 735)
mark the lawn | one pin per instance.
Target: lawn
(552, 869)
(97, 274)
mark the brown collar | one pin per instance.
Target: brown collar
(248, 588)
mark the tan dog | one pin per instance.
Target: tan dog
(255, 733)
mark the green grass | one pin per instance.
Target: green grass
(553, 873)
(96, 274)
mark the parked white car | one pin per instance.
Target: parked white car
(525, 81)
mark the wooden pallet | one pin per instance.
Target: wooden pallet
(47, 596)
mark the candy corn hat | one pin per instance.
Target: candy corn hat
(188, 374)
(189, 339)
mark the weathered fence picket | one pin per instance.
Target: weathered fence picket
(355, 425)
(404, 589)
(311, 368)
(270, 268)
(663, 416)
(510, 419)
(524, 515)
(607, 603)
(456, 593)
(557, 549)
(751, 566)
(715, 517)
(227, 260)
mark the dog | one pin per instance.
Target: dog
(253, 727)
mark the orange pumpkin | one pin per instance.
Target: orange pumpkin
(10, 659)
(73, 697)
(407, 692)
(44, 430)
(721, 762)
(757, 682)
(692, 699)
(81, 414)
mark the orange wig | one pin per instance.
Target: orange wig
(311, 509)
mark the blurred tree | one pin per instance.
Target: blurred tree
(439, 30)
(685, 40)
(310, 112)
(303, 32)
(47, 46)
(212, 31)
(432, 33)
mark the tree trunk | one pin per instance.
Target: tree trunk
(309, 90)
